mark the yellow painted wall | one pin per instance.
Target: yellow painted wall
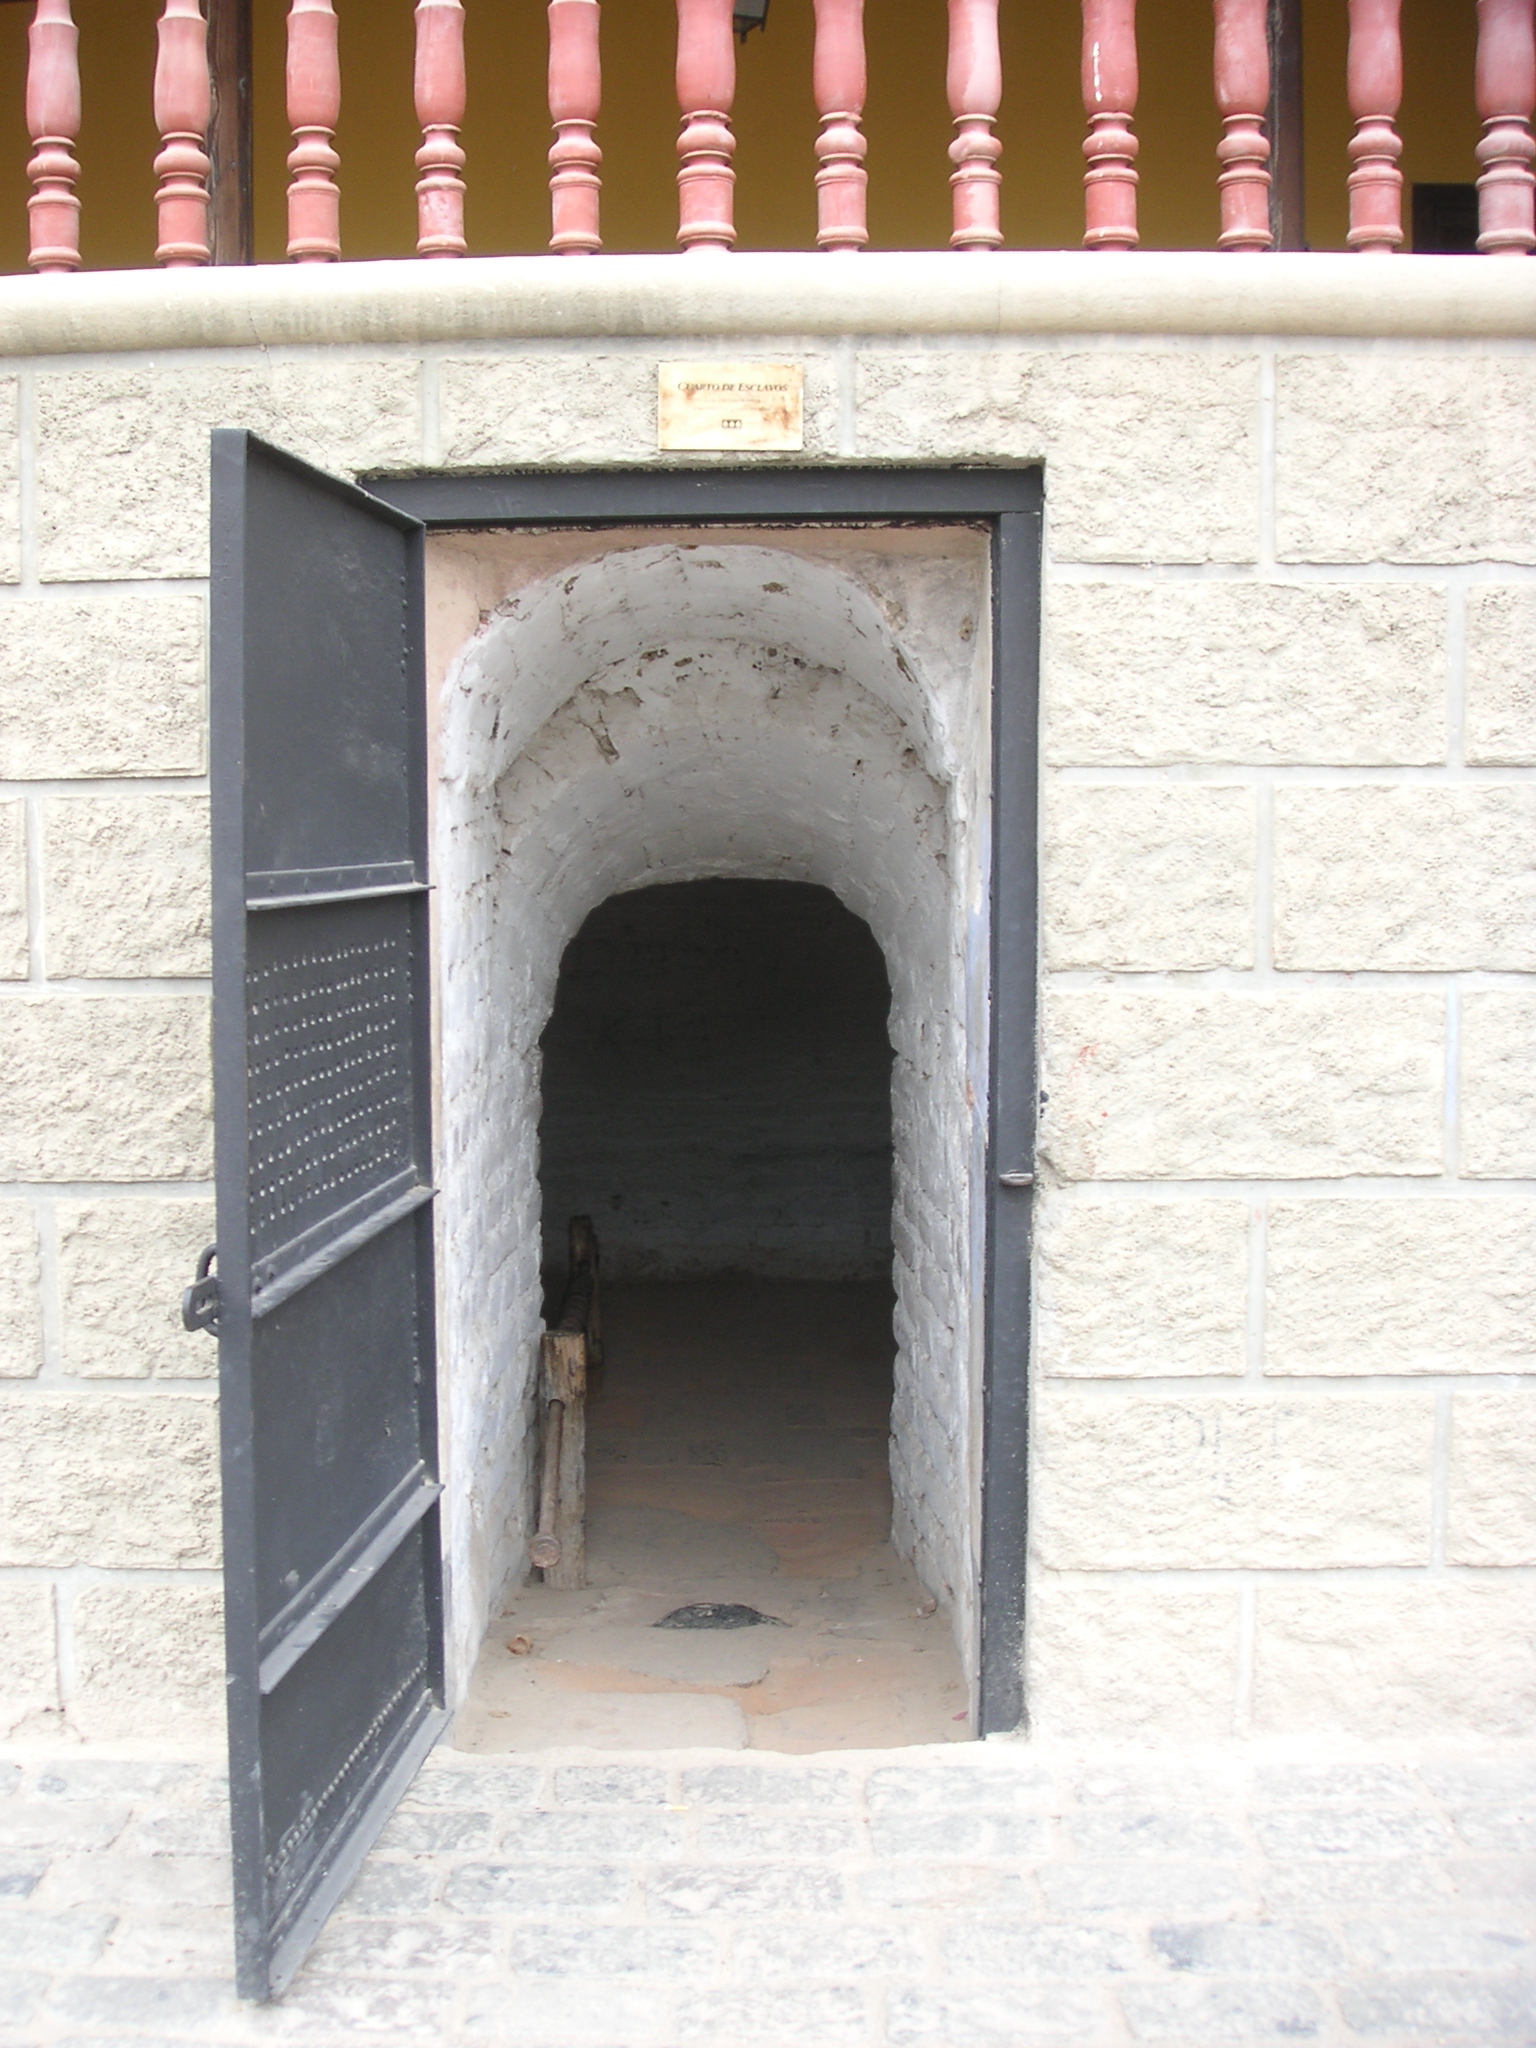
(908, 124)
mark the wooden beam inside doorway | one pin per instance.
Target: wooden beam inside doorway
(1287, 194)
(229, 61)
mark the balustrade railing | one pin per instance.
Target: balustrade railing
(1243, 30)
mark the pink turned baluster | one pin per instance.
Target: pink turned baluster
(575, 98)
(838, 81)
(183, 108)
(975, 90)
(440, 98)
(1242, 96)
(53, 122)
(1506, 95)
(1110, 85)
(314, 107)
(1375, 93)
(706, 87)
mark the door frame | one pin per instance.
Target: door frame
(1009, 502)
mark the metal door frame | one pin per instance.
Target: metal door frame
(1009, 502)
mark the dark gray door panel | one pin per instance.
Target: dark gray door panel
(321, 1101)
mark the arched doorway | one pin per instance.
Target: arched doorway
(632, 711)
(716, 1091)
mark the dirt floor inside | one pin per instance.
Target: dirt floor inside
(737, 1452)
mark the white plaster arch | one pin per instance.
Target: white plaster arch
(669, 712)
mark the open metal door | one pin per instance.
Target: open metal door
(324, 1298)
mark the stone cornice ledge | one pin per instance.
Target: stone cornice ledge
(495, 298)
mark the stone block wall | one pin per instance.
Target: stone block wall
(1284, 1396)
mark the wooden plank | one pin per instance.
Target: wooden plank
(229, 142)
(564, 1361)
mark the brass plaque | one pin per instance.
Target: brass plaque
(730, 405)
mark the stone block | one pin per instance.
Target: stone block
(1329, 1831)
(477, 1785)
(1208, 1483)
(846, 1948)
(1138, 879)
(1499, 717)
(948, 1785)
(122, 1266)
(1130, 1661)
(113, 1088)
(1349, 674)
(1420, 1943)
(993, 2015)
(1135, 1290)
(1426, 1658)
(436, 1833)
(565, 2012)
(667, 1953)
(21, 1993)
(536, 1890)
(776, 1834)
(745, 1888)
(610, 1785)
(102, 686)
(1308, 1884)
(1221, 1949)
(29, 1678)
(752, 1785)
(457, 1948)
(21, 1317)
(56, 1941)
(126, 886)
(1405, 878)
(1067, 1951)
(10, 481)
(13, 891)
(1186, 2009)
(593, 1834)
(1186, 1837)
(153, 1657)
(1210, 1083)
(1144, 1885)
(1491, 1509)
(107, 1480)
(500, 411)
(1152, 454)
(1370, 1286)
(1441, 2006)
(1420, 457)
(1498, 1085)
(820, 2016)
(122, 454)
(381, 1887)
(171, 1884)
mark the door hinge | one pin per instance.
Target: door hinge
(1021, 1179)
(200, 1301)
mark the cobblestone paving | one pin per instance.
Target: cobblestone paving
(955, 1898)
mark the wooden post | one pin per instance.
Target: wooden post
(1375, 94)
(1242, 96)
(440, 97)
(584, 1255)
(975, 82)
(314, 108)
(706, 90)
(1506, 97)
(183, 105)
(838, 81)
(1287, 182)
(563, 1377)
(53, 122)
(229, 135)
(1110, 85)
(575, 100)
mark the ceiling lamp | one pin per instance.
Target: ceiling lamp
(747, 15)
